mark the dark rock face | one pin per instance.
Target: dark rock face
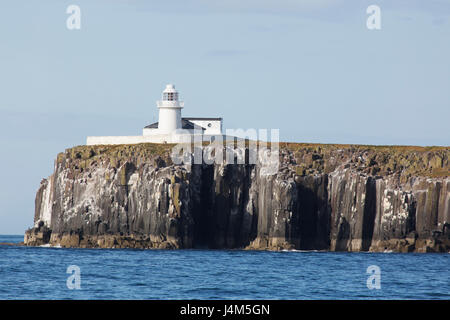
(323, 197)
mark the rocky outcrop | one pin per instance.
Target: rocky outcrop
(322, 197)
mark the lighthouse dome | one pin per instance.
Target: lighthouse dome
(169, 93)
(170, 88)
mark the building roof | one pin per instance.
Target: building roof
(170, 88)
(206, 119)
(185, 124)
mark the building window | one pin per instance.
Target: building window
(170, 96)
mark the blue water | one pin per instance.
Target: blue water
(40, 273)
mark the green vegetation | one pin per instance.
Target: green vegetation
(307, 158)
(375, 160)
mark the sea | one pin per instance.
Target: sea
(59, 273)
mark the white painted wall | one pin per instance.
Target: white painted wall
(212, 127)
(154, 138)
(155, 131)
(125, 139)
(169, 119)
(149, 131)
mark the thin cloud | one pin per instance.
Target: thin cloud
(225, 53)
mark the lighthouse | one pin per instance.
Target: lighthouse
(171, 127)
(169, 110)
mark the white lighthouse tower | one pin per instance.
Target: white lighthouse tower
(169, 110)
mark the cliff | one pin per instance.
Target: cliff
(323, 197)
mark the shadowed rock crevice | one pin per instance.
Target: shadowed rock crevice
(343, 235)
(313, 217)
(369, 214)
(202, 210)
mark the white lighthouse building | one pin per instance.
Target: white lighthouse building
(169, 110)
(170, 128)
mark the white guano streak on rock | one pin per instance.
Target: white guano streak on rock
(46, 210)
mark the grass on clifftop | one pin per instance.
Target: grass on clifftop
(375, 160)
(307, 157)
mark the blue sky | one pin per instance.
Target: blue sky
(309, 68)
